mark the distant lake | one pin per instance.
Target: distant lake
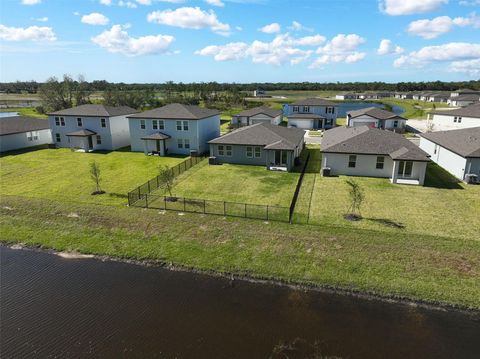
(8, 114)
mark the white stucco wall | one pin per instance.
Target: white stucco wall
(18, 141)
(368, 120)
(365, 165)
(120, 132)
(445, 122)
(452, 162)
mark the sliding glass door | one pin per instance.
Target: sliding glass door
(405, 169)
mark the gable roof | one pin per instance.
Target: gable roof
(177, 111)
(263, 134)
(93, 110)
(373, 141)
(466, 97)
(472, 110)
(374, 112)
(464, 142)
(306, 116)
(270, 112)
(315, 101)
(20, 124)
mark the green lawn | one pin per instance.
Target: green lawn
(64, 175)
(236, 183)
(452, 211)
(413, 108)
(25, 111)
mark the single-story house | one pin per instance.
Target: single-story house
(17, 132)
(466, 117)
(91, 127)
(458, 151)
(312, 114)
(174, 129)
(376, 118)
(346, 96)
(262, 144)
(370, 152)
(257, 115)
(464, 92)
(463, 100)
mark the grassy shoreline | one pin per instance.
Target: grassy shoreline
(431, 269)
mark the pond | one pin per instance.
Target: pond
(8, 114)
(57, 307)
(344, 107)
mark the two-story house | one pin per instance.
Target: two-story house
(174, 129)
(91, 127)
(312, 114)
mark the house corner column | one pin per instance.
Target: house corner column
(394, 172)
(145, 149)
(162, 148)
(421, 175)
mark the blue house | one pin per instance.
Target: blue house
(312, 114)
(174, 129)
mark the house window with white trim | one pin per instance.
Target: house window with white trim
(142, 124)
(58, 138)
(103, 123)
(185, 125)
(249, 151)
(435, 149)
(186, 143)
(180, 143)
(455, 119)
(179, 125)
(228, 151)
(459, 119)
(221, 150)
(395, 123)
(405, 168)
(57, 121)
(99, 140)
(161, 125)
(29, 136)
(258, 152)
(62, 121)
(380, 162)
(306, 108)
(155, 125)
(295, 108)
(79, 122)
(352, 161)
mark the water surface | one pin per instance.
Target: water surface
(58, 307)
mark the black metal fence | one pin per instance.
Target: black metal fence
(222, 208)
(297, 191)
(148, 187)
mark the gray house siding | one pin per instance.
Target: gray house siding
(330, 118)
(27, 139)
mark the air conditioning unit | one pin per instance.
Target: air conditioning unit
(212, 160)
(471, 178)
(193, 153)
(326, 171)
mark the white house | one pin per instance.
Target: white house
(466, 117)
(458, 151)
(174, 129)
(312, 113)
(18, 132)
(376, 118)
(262, 114)
(91, 127)
(460, 92)
(370, 152)
(463, 100)
(346, 96)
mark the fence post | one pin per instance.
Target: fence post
(224, 208)
(165, 202)
(139, 195)
(267, 212)
(158, 185)
(149, 187)
(245, 210)
(184, 208)
(146, 200)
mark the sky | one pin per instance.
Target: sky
(240, 41)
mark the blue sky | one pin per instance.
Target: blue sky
(241, 40)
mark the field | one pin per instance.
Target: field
(414, 109)
(64, 175)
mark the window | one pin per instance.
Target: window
(306, 108)
(79, 122)
(103, 122)
(221, 150)
(435, 149)
(155, 124)
(228, 151)
(295, 108)
(333, 109)
(99, 140)
(405, 168)
(62, 121)
(57, 121)
(352, 161)
(29, 136)
(186, 143)
(142, 124)
(459, 119)
(258, 152)
(161, 125)
(179, 143)
(380, 162)
(395, 123)
(35, 135)
(179, 125)
(58, 138)
(185, 125)
(249, 151)
(455, 119)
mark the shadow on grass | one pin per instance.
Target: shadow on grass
(118, 195)
(23, 150)
(314, 163)
(437, 177)
(387, 222)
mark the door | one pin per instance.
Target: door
(281, 158)
(405, 169)
(90, 142)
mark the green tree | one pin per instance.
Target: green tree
(166, 178)
(95, 176)
(357, 196)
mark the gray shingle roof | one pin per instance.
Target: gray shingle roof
(466, 97)
(271, 112)
(156, 136)
(464, 142)
(365, 140)
(92, 110)
(19, 124)
(263, 134)
(81, 133)
(314, 102)
(177, 111)
(305, 115)
(375, 112)
(469, 111)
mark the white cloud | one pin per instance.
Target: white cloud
(42, 19)
(470, 3)
(128, 4)
(296, 26)
(471, 67)
(190, 18)
(430, 29)
(215, 3)
(387, 47)
(106, 2)
(31, 2)
(95, 18)
(271, 28)
(314, 40)
(342, 48)
(453, 51)
(409, 7)
(32, 33)
(116, 40)
(231, 51)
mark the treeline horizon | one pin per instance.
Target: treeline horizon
(179, 87)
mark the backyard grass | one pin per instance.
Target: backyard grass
(413, 108)
(431, 268)
(236, 183)
(25, 111)
(64, 175)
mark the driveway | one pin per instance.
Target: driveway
(312, 140)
